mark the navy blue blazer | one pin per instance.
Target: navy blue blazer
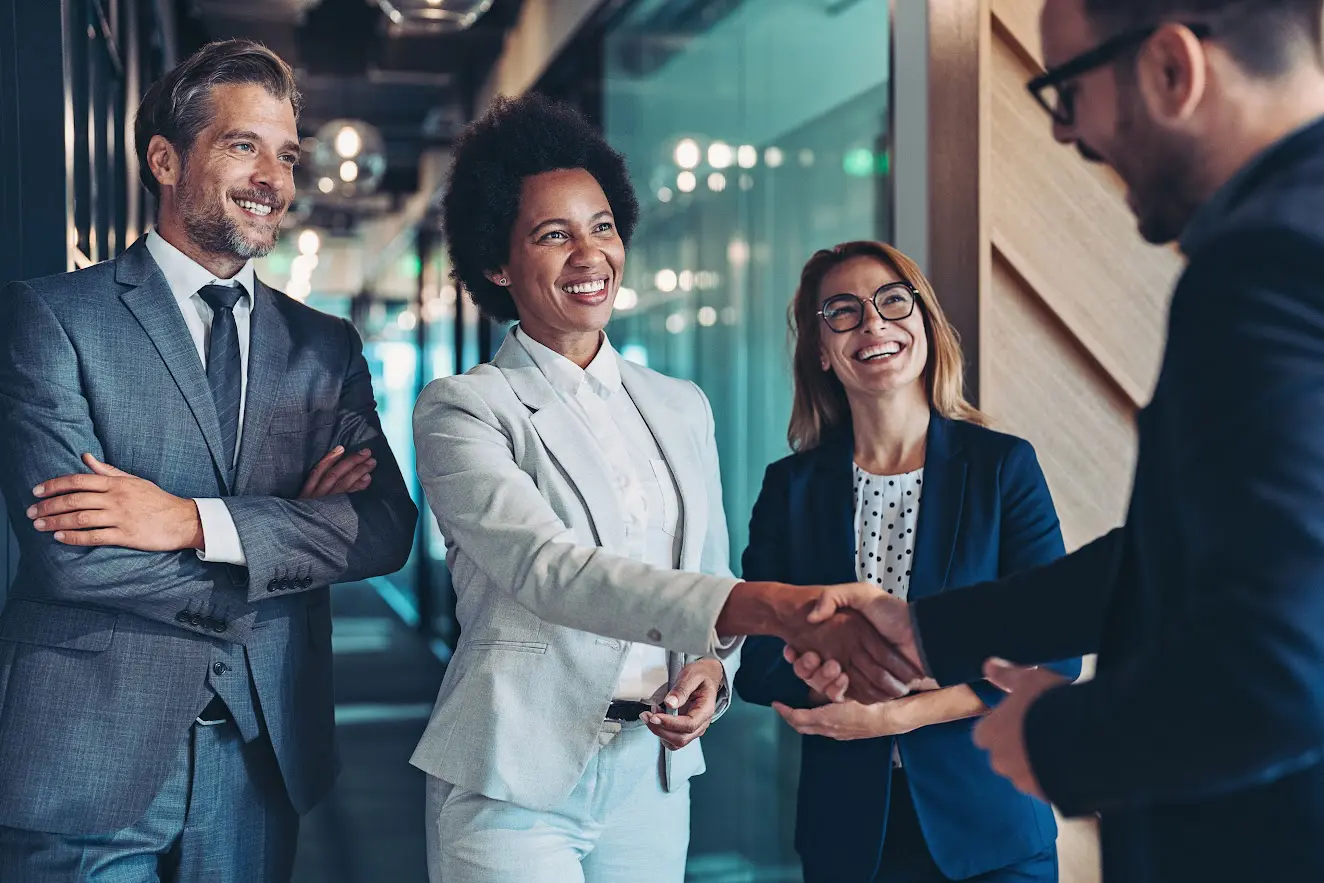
(985, 513)
(1199, 741)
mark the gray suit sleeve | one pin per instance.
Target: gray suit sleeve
(294, 545)
(47, 427)
(488, 506)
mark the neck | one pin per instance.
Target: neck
(1263, 114)
(170, 227)
(579, 347)
(891, 430)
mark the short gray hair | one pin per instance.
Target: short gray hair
(178, 106)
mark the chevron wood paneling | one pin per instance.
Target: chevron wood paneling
(1071, 304)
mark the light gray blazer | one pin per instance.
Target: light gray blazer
(547, 603)
(105, 653)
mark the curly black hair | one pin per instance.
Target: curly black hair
(516, 139)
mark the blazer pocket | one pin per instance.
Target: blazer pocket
(666, 487)
(57, 625)
(539, 647)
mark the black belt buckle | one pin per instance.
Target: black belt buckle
(214, 714)
(626, 712)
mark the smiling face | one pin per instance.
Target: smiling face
(228, 195)
(566, 260)
(880, 357)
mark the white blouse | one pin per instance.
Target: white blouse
(886, 512)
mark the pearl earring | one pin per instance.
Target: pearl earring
(502, 281)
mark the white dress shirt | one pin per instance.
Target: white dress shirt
(186, 278)
(886, 513)
(644, 484)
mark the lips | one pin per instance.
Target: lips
(589, 291)
(256, 205)
(879, 352)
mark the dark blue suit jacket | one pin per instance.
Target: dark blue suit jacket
(1199, 741)
(985, 513)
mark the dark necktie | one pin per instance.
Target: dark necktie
(224, 370)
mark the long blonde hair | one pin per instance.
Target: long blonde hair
(820, 405)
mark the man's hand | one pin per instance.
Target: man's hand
(113, 508)
(1002, 732)
(845, 721)
(694, 695)
(337, 474)
(869, 668)
(889, 615)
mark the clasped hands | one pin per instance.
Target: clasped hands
(110, 507)
(885, 666)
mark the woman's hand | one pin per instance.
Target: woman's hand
(695, 699)
(847, 720)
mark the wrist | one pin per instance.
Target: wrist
(765, 608)
(191, 532)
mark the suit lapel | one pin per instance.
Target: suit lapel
(830, 505)
(940, 506)
(673, 432)
(567, 439)
(152, 303)
(268, 359)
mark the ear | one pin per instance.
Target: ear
(1172, 74)
(164, 161)
(497, 277)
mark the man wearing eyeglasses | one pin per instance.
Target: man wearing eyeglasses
(1200, 742)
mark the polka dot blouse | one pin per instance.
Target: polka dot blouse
(886, 512)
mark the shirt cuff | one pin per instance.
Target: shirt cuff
(220, 538)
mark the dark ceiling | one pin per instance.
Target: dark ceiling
(418, 89)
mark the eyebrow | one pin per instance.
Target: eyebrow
(565, 223)
(249, 135)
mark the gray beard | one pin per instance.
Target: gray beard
(216, 233)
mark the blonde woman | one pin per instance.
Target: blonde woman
(896, 481)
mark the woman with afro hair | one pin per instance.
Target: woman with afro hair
(581, 504)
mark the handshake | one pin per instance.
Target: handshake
(849, 641)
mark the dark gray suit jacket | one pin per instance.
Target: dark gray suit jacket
(104, 652)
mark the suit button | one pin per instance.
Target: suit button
(195, 619)
(182, 616)
(286, 584)
(217, 626)
(220, 668)
(307, 582)
(654, 635)
(272, 586)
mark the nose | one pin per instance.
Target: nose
(269, 173)
(584, 255)
(873, 317)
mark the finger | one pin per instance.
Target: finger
(320, 467)
(85, 520)
(338, 470)
(353, 477)
(825, 609)
(669, 740)
(888, 658)
(680, 724)
(1003, 675)
(807, 665)
(879, 681)
(799, 719)
(983, 735)
(689, 681)
(821, 682)
(836, 691)
(67, 503)
(789, 654)
(104, 537)
(101, 468)
(69, 483)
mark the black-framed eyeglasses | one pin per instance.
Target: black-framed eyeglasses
(1055, 90)
(845, 312)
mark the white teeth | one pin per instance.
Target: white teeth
(878, 352)
(256, 208)
(585, 287)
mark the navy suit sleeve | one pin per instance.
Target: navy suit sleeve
(1030, 535)
(765, 676)
(1233, 694)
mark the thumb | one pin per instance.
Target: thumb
(101, 468)
(690, 680)
(826, 607)
(1003, 675)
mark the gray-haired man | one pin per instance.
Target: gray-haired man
(165, 668)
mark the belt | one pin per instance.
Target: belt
(215, 713)
(625, 711)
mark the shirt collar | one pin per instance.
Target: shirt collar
(603, 374)
(186, 276)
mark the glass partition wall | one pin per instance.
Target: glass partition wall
(757, 133)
